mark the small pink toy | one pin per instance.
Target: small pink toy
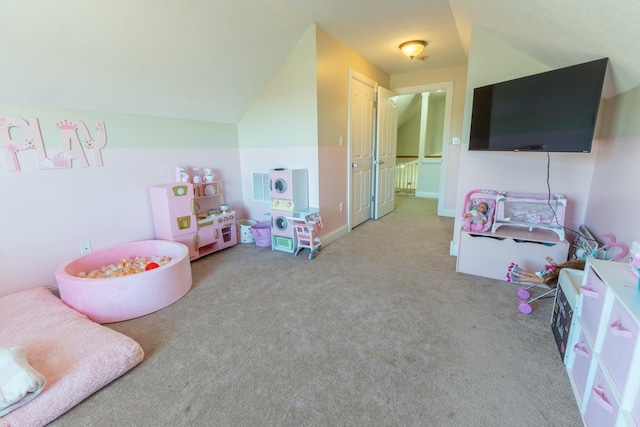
(624, 249)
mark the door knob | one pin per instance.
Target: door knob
(354, 164)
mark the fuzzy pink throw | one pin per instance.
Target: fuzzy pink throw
(76, 356)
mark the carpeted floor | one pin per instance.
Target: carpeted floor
(377, 330)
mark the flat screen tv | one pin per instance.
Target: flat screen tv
(554, 111)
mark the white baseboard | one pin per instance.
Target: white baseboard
(427, 194)
(447, 212)
(453, 249)
(327, 239)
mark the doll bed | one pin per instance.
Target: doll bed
(76, 356)
(531, 211)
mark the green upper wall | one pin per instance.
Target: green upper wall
(621, 115)
(334, 59)
(285, 114)
(129, 131)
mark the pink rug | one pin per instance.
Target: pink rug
(76, 356)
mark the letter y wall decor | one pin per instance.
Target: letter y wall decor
(17, 134)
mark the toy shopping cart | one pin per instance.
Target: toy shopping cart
(308, 234)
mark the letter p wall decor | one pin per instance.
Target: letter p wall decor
(20, 135)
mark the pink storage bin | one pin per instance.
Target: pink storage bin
(619, 342)
(602, 407)
(121, 298)
(261, 233)
(593, 291)
(581, 362)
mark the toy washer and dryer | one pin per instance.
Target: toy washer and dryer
(294, 225)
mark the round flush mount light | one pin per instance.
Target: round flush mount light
(412, 48)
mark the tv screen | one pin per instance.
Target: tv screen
(554, 111)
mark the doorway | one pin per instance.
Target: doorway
(431, 135)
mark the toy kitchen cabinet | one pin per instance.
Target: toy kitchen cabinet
(190, 214)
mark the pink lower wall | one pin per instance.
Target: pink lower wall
(47, 213)
(613, 200)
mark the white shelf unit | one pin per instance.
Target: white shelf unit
(566, 305)
(604, 349)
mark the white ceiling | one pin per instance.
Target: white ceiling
(210, 59)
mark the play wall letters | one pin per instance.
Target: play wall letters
(17, 134)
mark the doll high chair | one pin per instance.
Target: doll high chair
(308, 234)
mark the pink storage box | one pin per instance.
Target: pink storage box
(115, 299)
(602, 407)
(618, 344)
(581, 363)
(593, 291)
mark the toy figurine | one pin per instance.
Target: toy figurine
(197, 179)
(183, 174)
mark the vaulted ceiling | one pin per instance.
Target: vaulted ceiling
(210, 59)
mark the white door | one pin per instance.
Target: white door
(361, 105)
(385, 153)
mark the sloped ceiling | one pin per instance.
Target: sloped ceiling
(560, 34)
(210, 59)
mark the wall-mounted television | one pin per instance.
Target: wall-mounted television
(554, 111)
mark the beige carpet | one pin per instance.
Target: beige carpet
(377, 330)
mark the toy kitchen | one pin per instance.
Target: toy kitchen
(190, 211)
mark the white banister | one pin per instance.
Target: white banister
(406, 175)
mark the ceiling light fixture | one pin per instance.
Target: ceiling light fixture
(412, 48)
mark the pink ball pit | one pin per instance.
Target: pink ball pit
(121, 298)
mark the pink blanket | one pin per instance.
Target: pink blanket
(76, 356)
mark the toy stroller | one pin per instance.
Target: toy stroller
(308, 234)
(543, 283)
(540, 290)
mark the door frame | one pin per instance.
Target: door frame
(446, 132)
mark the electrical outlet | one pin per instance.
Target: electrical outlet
(341, 142)
(85, 247)
(341, 206)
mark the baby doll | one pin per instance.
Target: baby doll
(549, 276)
(476, 218)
